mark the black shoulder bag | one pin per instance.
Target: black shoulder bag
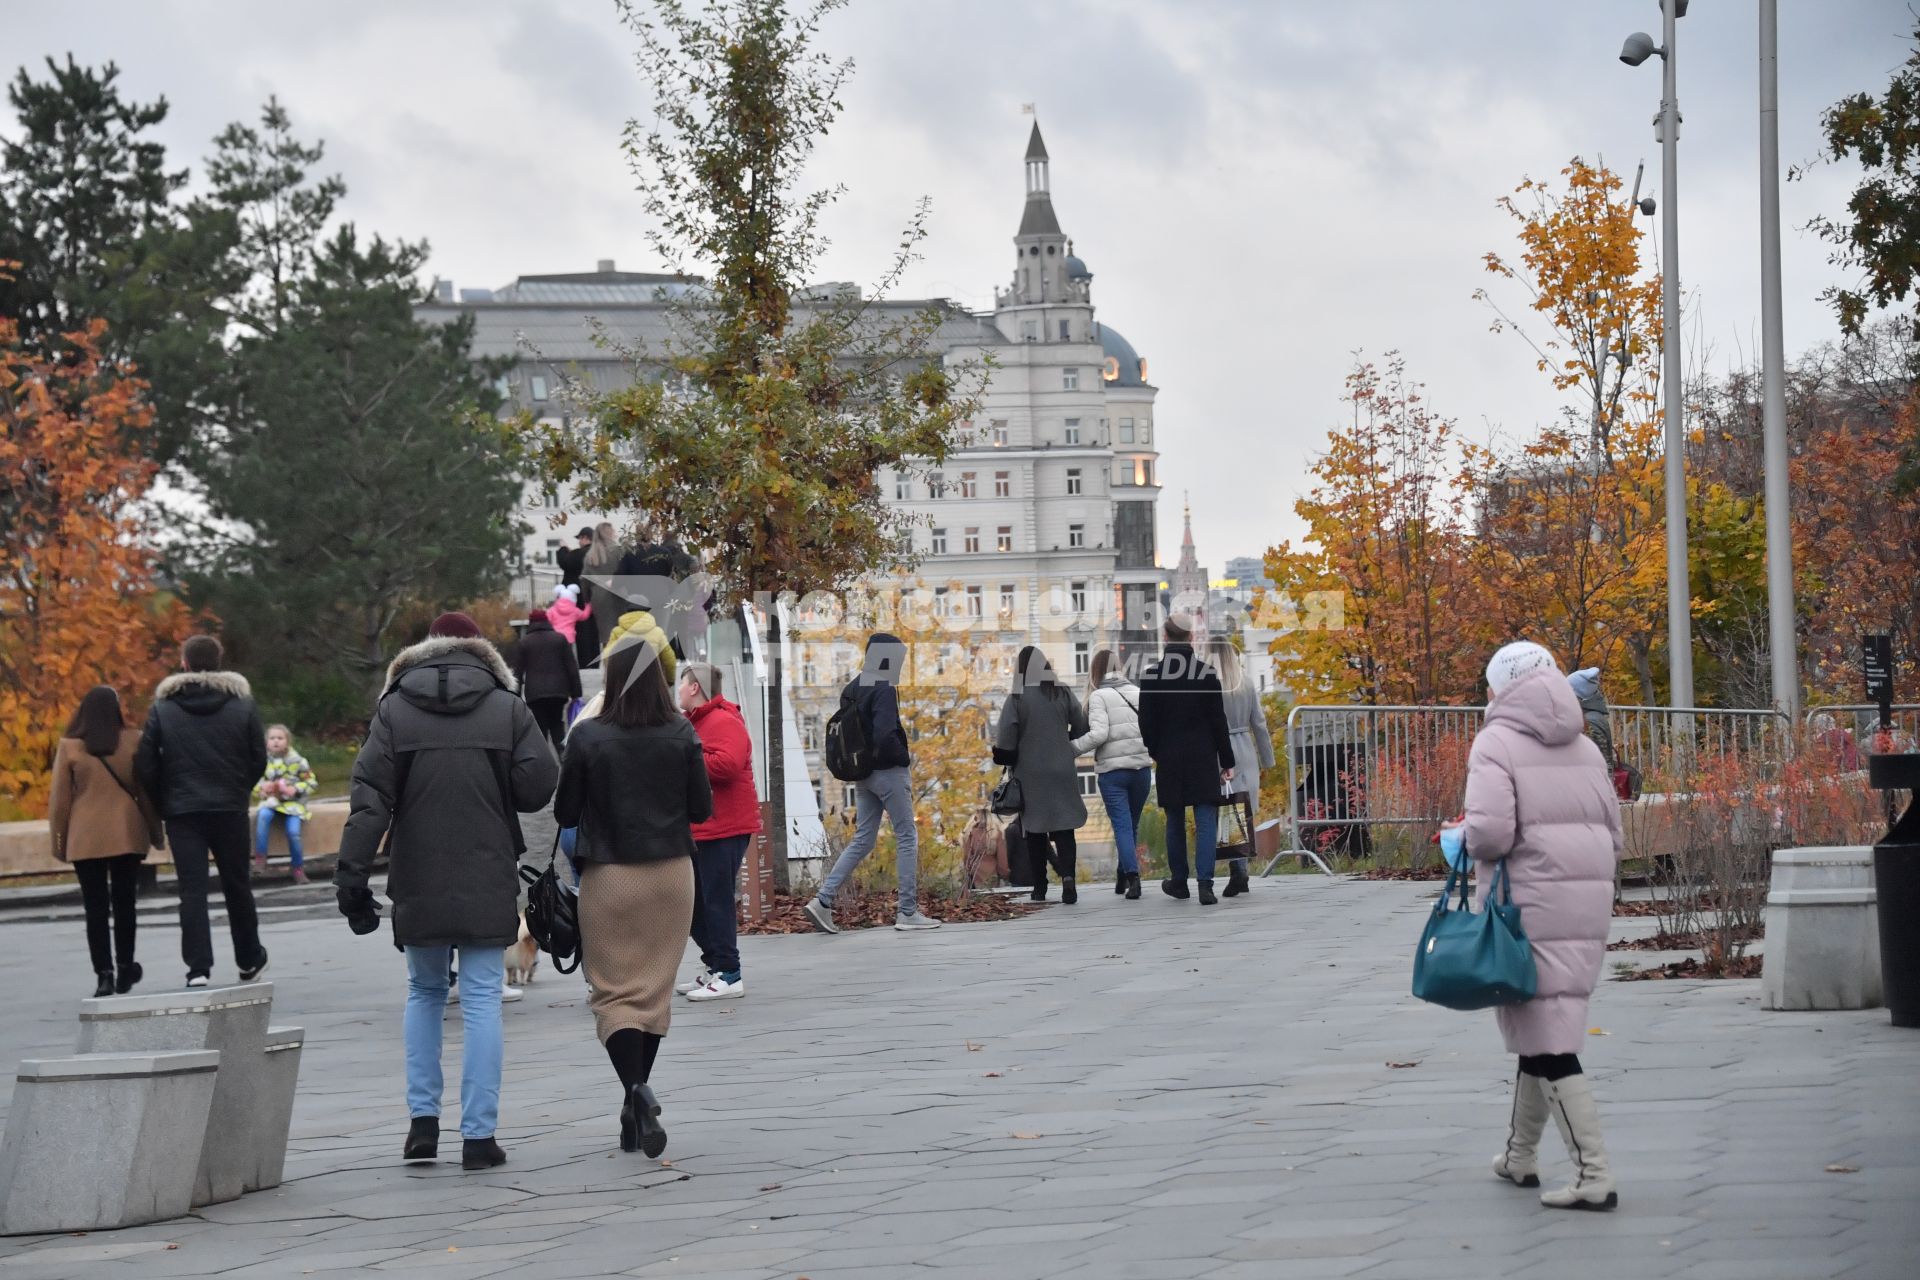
(553, 914)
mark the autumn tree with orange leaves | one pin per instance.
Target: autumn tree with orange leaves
(78, 605)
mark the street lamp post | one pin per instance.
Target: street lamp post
(1638, 48)
(1781, 633)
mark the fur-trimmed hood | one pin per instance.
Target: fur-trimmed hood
(203, 692)
(448, 675)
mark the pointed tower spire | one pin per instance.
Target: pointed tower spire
(1039, 219)
(1186, 507)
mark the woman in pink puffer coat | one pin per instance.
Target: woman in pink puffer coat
(1539, 796)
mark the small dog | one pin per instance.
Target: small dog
(523, 957)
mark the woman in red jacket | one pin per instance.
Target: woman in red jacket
(720, 843)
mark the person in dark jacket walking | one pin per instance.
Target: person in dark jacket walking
(887, 791)
(1184, 722)
(573, 560)
(452, 758)
(101, 823)
(719, 843)
(634, 783)
(549, 675)
(202, 750)
(1034, 737)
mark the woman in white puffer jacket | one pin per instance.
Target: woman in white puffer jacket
(1120, 757)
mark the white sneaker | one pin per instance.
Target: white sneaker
(918, 920)
(509, 994)
(698, 981)
(718, 988)
(196, 981)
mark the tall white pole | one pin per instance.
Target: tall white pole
(1679, 589)
(1781, 634)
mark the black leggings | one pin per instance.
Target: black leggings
(1550, 1066)
(108, 886)
(551, 715)
(1062, 854)
(632, 1052)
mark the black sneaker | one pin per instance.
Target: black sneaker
(1175, 889)
(423, 1139)
(1206, 894)
(481, 1153)
(1069, 894)
(1237, 883)
(260, 967)
(1133, 886)
(128, 978)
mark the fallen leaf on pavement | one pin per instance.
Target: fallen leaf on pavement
(993, 1075)
(1843, 1168)
(974, 1048)
(772, 1186)
(1598, 1031)
(1026, 1137)
(1399, 1066)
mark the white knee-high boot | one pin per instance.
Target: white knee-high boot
(1574, 1111)
(1520, 1162)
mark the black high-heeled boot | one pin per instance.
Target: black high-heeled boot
(642, 1116)
(103, 983)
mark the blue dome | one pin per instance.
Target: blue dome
(1124, 368)
(1077, 270)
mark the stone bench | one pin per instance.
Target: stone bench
(1823, 931)
(273, 1116)
(232, 1020)
(104, 1140)
(26, 848)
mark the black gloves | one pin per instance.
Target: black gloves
(359, 907)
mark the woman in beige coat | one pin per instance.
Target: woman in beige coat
(102, 824)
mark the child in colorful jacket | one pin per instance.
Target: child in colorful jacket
(288, 781)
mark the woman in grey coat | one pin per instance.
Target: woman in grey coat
(1252, 741)
(1034, 736)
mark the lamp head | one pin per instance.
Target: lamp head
(1638, 48)
(1647, 206)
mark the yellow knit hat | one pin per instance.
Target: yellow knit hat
(639, 626)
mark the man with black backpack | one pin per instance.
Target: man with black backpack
(867, 746)
(452, 758)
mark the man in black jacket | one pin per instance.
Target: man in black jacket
(451, 759)
(1183, 718)
(887, 791)
(201, 753)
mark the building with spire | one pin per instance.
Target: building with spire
(1190, 587)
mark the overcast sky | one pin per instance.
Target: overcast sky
(1261, 187)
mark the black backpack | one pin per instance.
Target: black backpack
(849, 752)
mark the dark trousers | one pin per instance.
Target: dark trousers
(224, 836)
(551, 715)
(586, 642)
(108, 886)
(716, 922)
(1057, 847)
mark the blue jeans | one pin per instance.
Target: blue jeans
(886, 793)
(1206, 829)
(716, 872)
(264, 824)
(483, 971)
(1124, 792)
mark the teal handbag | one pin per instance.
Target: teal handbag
(1470, 960)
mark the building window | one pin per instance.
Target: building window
(553, 545)
(999, 433)
(539, 385)
(1030, 329)
(1073, 431)
(1006, 599)
(1003, 538)
(1126, 431)
(1066, 331)
(1146, 431)
(1069, 378)
(1089, 783)
(809, 733)
(848, 792)
(976, 603)
(809, 673)
(940, 606)
(1003, 484)
(1077, 597)
(971, 541)
(1073, 482)
(937, 484)
(1146, 471)
(939, 542)
(1082, 657)
(1076, 535)
(969, 484)
(902, 487)
(1123, 474)
(906, 543)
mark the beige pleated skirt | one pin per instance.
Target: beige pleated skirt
(634, 919)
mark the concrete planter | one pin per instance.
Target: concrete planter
(280, 1076)
(107, 1140)
(1823, 931)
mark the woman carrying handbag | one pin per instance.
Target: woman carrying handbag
(102, 823)
(1034, 737)
(1252, 752)
(1541, 808)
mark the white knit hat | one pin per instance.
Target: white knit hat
(568, 590)
(1514, 661)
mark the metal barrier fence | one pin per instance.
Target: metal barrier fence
(1852, 725)
(1365, 780)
